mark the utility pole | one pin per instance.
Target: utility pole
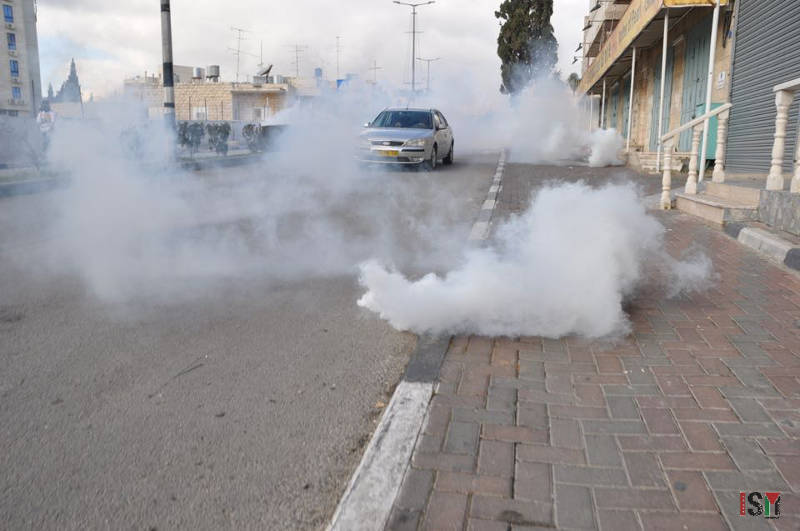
(374, 71)
(298, 49)
(414, 38)
(166, 52)
(338, 52)
(238, 49)
(429, 61)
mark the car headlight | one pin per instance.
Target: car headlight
(365, 143)
(415, 143)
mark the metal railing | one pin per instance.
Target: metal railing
(697, 126)
(784, 96)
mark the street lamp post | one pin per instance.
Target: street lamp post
(166, 50)
(414, 37)
(429, 61)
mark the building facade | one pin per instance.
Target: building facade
(752, 54)
(209, 99)
(20, 79)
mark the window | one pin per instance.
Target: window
(8, 13)
(14, 68)
(442, 120)
(16, 93)
(404, 119)
(12, 41)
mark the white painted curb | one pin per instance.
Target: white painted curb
(369, 497)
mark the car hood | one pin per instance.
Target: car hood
(395, 134)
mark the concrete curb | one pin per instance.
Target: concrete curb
(765, 243)
(480, 230)
(368, 499)
(369, 496)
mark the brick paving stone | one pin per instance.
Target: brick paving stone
(496, 458)
(659, 430)
(416, 486)
(446, 511)
(611, 520)
(574, 509)
(523, 434)
(470, 483)
(623, 407)
(691, 491)
(602, 450)
(566, 433)
(631, 498)
(462, 438)
(701, 436)
(747, 454)
(533, 481)
(512, 511)
(653, 443)
(589, 475)
(697, 461)
(659, 421)
(644, 469)
(548, 454)
(683, 521)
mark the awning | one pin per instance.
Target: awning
(638, 16)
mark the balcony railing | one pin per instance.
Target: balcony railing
(784, 96)
(696, 126)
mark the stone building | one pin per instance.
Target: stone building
(20, 80)
(70, 91)
(753, 114)
(207, 98)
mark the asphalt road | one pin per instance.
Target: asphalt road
(241, 405)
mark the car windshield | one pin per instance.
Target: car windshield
(404, 119)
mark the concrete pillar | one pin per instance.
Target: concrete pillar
(722, 135)
(710, 85)
(630, 103)
(603, 107)
(666, 181)
(783, 100)
(664, 51)
(691, 182)
(166, 51)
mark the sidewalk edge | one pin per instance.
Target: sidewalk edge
(766, 244)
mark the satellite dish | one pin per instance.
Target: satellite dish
(265, 71)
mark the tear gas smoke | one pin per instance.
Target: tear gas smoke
(563, 267)
(133, 227)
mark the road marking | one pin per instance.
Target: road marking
(370, 495)
(481, 228)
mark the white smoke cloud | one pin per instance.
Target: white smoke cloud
(563, 267)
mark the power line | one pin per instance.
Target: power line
(338, 54)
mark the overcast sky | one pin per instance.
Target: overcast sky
(114, 40)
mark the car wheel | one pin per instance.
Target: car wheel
(448, 160)
(431, 164)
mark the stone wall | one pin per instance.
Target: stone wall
(780, 210)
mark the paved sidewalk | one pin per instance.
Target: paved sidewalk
(660, 431)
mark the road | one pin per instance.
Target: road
(238, 402)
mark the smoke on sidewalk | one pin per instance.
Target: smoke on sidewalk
(563, 267)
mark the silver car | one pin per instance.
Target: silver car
(419, 137)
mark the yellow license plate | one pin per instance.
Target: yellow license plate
(389, 153)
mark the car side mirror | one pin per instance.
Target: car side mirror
(366, 124)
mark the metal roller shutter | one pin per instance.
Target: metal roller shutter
(767, 53)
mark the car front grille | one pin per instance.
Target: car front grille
(387, 143)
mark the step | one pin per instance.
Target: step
(716, 209)
(740, 194)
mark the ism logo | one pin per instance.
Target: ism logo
(757, 504)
